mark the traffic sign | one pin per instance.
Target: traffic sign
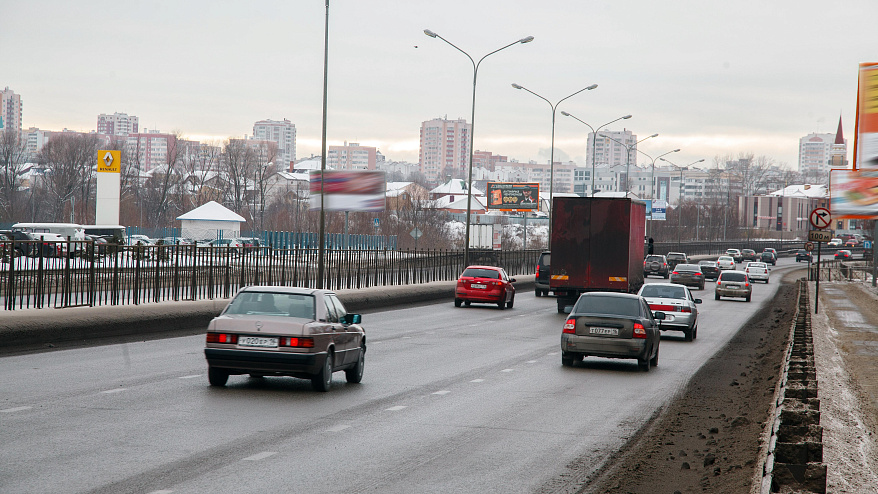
(809, 246)
(820, 218)
(819, 236)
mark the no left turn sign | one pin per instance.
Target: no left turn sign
(820, 218)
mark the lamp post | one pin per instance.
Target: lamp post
(593, 141)
(627, 156)
(680, 195)
(469, 193)
(552, 152)
(321, 241)
(652, 180)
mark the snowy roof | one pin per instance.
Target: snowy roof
(620, 194)
(459, 202)
(212, 211)
(455, 186)
(314, 163)
(805, 190)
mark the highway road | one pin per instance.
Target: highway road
(453, 400)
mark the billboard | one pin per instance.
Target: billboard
(853, 193)
(348, 190)
(866, 145)
(517, 196)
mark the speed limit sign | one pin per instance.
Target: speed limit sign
(809, 246)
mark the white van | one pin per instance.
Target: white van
(72, 230)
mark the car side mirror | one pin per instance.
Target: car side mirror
(659, 315)
(511, 280)
(697, 300)
(352, 319)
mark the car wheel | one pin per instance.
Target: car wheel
(511, 302)
(643, 364)
(323, 380)
(538, 292)
(355, 374)
(688, 334)
(501, 304)
(467, 303)
(568, 359)
(256, 376)
(654, 361)
(667, 275)
(701, 286)
(217, 377)
(457, 302)
(748, 298)
(695, 332)
(716, 296)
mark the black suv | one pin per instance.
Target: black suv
(768, 257)
(675, 258)
(803, 255)
(657, 265)
(542, 277)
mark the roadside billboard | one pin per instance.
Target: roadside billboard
(348, 190)
(853, 193)
(513, 196)
(866, 143)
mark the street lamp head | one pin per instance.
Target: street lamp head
(430, 33)
(566, 114)
(516, 86)
(592, 87)
(699, 161)
(654, 135)
(675, 151)
(526, 40)
(626, 117)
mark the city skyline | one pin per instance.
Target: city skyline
(709, 79)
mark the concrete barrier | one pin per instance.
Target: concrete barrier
(32, 328)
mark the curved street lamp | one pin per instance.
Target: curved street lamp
(680, 194)
(552, 152)
(593, 137)
(469, 193)
(628, 148)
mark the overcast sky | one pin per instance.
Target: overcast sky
(709, 77)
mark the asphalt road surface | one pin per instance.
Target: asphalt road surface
(453, 400)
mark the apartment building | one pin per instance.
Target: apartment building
(352, 156)
(283, 133)
(537, 172)
(818, 153)
(118, 124)
(149, 149)
(610, 150)
(444, 149)
(10, 110)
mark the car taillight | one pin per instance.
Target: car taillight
(746, 283)
(685, 309)
(538, 272)
(570, 326)
(231, 339)
(297, 342)
(639, 330)
(675, 272)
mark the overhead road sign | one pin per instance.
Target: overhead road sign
(820, 218)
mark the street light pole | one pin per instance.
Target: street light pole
(594, 142)
(469, 189)
(322, 242)
(652, 183)
(552, 151)
(627, 157)
(680, 195)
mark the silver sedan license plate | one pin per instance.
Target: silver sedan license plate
(257, 341)
(606, 331)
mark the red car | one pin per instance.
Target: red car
(485, 285)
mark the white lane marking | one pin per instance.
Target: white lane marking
(164, 491)
(338, 428)
(507, 370)
(406, 337)
(477, 380)
(552, 353)
(193, 376)
(111, 391)
(531, 362)
(260, 456)
(443, 392)
(396, 408)
(16, 409)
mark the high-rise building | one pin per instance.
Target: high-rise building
(818, 153)
(284, 134)
(608, 151)
(10, 110)
(118, 124)
(351, 156)
(149, 149)
(487, 159)
(444, 149)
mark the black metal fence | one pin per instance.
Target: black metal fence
(71, 274)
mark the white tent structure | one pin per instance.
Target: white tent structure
(210, 221)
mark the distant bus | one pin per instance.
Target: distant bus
(72, 230)
(117, 232)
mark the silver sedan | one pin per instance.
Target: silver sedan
(678, 304)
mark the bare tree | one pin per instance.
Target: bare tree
(70, 158)
(264, 168)
(13, 157)
(200, 164)
(238, 161)
(162, 191)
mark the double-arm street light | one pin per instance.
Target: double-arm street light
(628, 148)
(680, 195)
(552, 152)
(593, 141)
(469, 193)
(652, 179)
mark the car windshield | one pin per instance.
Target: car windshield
(622, 306)
(756, 265)
(688, 267)
(725, 258)
(676, 255)
(273, 304)
(733, 277)
(663, 291)
(654, 258)
(481, 273)
(711, 264)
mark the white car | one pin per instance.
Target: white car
(726, 263)
(836, 242)
(678, 304)
(757, 271)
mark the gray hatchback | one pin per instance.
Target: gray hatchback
(611, 325)
(733, 284)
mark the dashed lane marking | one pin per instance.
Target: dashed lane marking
(396, 408)
(16, 409)
(164, 491)
(477, 380)
(443, 392)
(531, 362)
(111, 391)
(193, 376)
(260, 456)
(507, 370)
(338, 428)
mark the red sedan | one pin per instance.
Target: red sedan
(485, 285)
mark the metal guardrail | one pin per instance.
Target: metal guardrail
(70, 274)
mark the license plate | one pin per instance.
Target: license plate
(477, 285)
(257, 341)
(732, 287)
(606, 331)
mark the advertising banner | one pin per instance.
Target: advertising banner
(348, 190)
(509, 196)
(659, 208)
(866, 148)
(853, 193)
